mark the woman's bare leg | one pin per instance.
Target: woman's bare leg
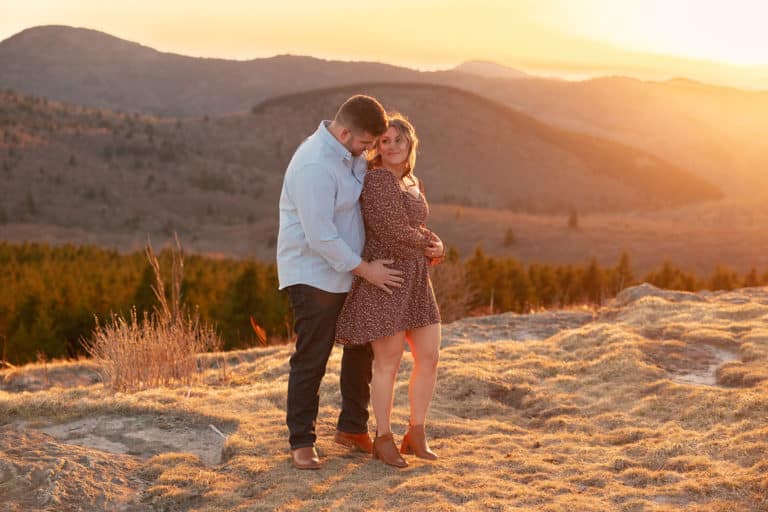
(387, 353)
(425, 347)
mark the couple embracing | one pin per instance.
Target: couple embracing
(353, 254)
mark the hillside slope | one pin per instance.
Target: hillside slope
(111, 175)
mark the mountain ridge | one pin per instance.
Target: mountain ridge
(710, 130)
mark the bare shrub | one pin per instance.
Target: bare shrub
(452, 290)
(157, 349)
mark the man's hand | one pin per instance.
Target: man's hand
(378, 274)
(435, 249)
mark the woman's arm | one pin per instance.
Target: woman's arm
(435, 243)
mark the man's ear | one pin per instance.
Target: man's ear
(345, 134)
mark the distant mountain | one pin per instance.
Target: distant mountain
(715, 132)
(88, 67)
(490, 69)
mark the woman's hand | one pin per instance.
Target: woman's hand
(435, 250)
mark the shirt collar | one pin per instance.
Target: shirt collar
(333, 142)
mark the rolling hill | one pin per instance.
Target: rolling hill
(476, 152)
(97, 169)
(715, 132)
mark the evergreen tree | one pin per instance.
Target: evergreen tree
(144, 297)
(751, 279)
(567, 289)
(592, 283)
(723, 279)
(246, 300)
(517, 281)
(624, 275)
(544, 284)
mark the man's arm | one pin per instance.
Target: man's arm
(313, 191)
(313, 196)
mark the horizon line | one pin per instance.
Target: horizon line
(542, 70)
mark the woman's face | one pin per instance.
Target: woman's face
(393, 147)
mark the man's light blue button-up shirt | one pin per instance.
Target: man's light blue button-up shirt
(321, 232)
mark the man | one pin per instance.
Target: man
(319, 243)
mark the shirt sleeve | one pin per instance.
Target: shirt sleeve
(385, 214)
(314, 192)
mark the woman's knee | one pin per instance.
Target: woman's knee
(427, 361)
(386, 366)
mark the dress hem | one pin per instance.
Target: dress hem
(365, 342)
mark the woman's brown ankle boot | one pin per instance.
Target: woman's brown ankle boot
(415, 441)
(384, 448)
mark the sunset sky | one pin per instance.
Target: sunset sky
(711, 40)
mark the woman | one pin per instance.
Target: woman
(394, 210)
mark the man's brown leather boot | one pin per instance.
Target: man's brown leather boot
(360, 441)
(305, 458)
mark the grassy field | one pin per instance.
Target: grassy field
(602, 415)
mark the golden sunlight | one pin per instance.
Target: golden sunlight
(707, 40)
(731, 32)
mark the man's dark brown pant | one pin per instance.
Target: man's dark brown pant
(315, 312)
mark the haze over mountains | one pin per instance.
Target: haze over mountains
(490, 69)
(714, 132)
(88, 67)
(200, 145)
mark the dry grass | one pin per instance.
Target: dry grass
(160, 348)
(585, 420)
(136, 354)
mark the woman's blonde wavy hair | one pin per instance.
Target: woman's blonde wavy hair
(405, 129)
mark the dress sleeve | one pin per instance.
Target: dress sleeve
(385, 214)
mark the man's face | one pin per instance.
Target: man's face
(358, 142)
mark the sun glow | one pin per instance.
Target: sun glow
(731, 32)
(709, 40)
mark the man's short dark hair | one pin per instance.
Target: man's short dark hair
(363, 114)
